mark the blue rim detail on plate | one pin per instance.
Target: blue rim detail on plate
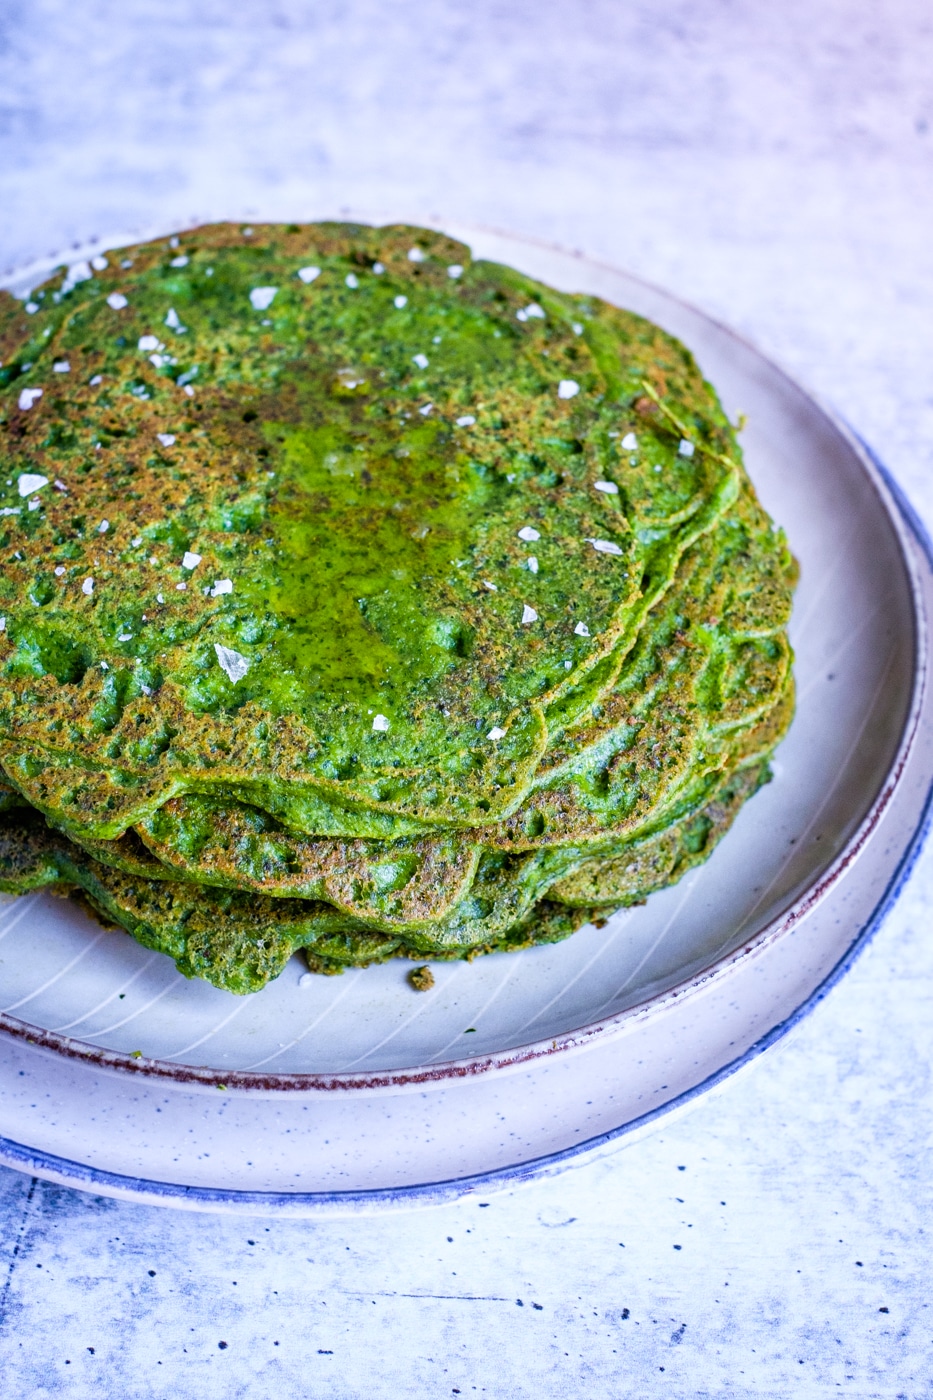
(66, 1172)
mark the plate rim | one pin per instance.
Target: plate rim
(244, 1082)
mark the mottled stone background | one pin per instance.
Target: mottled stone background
(773, 162)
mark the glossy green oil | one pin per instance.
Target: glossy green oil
(368, 520)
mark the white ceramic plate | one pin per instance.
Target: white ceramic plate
(117, 1074)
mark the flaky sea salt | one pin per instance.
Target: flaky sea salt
(88, 586)
(28, 483)
(222, 585)
(61, 367)
(609, 488)
(529, 614)
(380, 724)
(568, 389)
(309, 274)
(191, 560)
(455, 271)
(496, 733)
(399, 302)
(466, 420)
(28, 397)
(581, 630)
(686, 448)
(629, 442)
(166, 439)
(529, 533)
(604, 546)
(235, 665)
(420, 360)
(415, 255)
(117, 300)
(261, 298)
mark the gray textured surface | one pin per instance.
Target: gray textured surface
(774, 164)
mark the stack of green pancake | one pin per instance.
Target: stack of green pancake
(363, 599)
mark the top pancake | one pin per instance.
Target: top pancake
(307, 577)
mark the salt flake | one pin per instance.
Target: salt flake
(496, 733)
(529, 533)
(609, 488)
(28, 397)
(352, 280)
(166, 439)
(532, 563)
(415, 255)
(61, 367)
(180, 261)
(262, 297)
(103, 527)
(426, 409)
(581, 630)
(399, 302)
(99, 263)
(117, 300)
(380, 724)
(629, 442)
(148, 342)
(29, 483)
(235, 665)
(529, 614)
(568, 389)
(173, 322)
(686, 448)
(222, 585)
(420, 360)
(466, 421)
(191, 560)
(309, 274)
(88, 586)
(604, 546)
(455, 271)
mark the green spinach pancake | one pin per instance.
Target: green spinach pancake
(362, 598)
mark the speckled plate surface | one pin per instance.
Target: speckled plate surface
(351, 1092)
